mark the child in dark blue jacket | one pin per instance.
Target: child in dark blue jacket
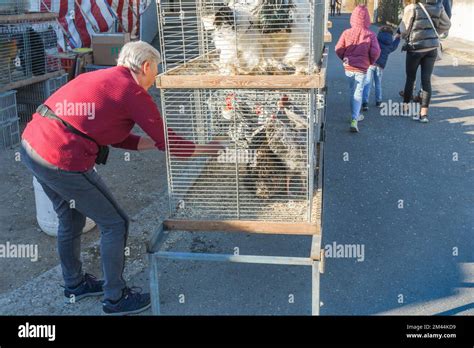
(387, 45)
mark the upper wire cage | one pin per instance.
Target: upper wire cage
(241, 37)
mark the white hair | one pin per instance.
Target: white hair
(134, 54)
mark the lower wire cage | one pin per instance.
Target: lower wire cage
(265, 171)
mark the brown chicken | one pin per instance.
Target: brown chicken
(8, 52)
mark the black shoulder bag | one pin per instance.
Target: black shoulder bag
(103, 152)
(407, 45)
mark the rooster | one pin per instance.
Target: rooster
(291, 114)
(280, 147)
(263, 177)
(243, 120)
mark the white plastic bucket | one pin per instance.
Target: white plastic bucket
(45, 214)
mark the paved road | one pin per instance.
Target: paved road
(409, 251)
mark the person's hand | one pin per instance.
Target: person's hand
(397, 36)
(145, 143)
(210, 149)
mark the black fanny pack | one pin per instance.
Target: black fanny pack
(103, 152)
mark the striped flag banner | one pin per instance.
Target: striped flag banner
(80, 19)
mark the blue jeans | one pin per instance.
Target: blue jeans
(357, 82)
(374, 74)
(76, 195)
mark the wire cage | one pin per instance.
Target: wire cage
(241, 37)
(8, 107)
(9, 134)
(31, 96)
(27, 50)
(266, 170)
(9, 7)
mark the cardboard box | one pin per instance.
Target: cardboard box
(106, 47)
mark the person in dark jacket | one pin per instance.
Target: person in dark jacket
(447, 7)
(421, 45)
(387, 45)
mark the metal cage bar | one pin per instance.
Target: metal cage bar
(155, 254)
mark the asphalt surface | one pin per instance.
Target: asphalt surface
(411, 263)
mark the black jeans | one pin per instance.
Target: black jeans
(427, 61)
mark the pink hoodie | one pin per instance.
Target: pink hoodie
(358, 46)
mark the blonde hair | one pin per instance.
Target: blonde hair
(134, 54)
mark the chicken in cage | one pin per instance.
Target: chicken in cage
(266, 165)
(8, 7)
(243, 37)
(27, 50)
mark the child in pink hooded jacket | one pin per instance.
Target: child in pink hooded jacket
(359, 49)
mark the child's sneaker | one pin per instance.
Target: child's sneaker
(416, 117)
(378, 104)
(424, 119)
(365, 107)
(354, 127)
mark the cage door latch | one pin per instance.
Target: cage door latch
(320, 100)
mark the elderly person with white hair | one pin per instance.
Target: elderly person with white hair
(68, 134)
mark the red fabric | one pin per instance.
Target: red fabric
(80, 23)
(95, 11)
(119, 103)
(358, 46)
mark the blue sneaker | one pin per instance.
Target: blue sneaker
(131, 302)
(90, 286)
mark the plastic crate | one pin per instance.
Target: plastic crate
(27, 50)
(92, 67)
(30, 97)
(8, 107)
(9, 134)
(68, 64)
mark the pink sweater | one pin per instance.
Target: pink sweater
(118, 103)
(358, 46)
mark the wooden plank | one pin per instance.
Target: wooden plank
(327, 37)
(260, 227)
(28, 17)
(30, 81)
(316, 247)
(165, 81)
